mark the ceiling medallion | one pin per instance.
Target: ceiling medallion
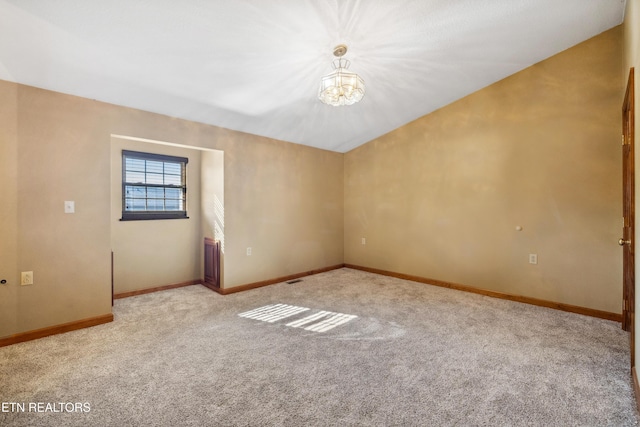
(341, 87)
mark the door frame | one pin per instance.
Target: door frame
(628, 195)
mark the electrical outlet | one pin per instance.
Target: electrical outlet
(533, 258)
(364, 241)
(248, 251)
(26, 278)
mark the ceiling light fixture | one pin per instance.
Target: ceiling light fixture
(341, 87)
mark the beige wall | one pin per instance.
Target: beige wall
(63, 154)
(442, 196)
(632, 59)
(212, 201)
(290, 212)
(8, 208)
(439, 197)
(148, 254)
(283, 200)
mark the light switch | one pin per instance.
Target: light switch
(69, 206)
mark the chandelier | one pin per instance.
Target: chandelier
(341, 87)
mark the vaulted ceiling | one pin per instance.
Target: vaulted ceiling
(255, 66)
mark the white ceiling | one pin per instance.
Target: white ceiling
(254, 66)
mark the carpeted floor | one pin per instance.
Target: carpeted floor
(344, 348)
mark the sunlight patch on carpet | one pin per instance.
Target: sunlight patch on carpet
(333, 320)
(321, 321)
(273, 313)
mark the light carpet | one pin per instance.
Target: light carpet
(403, 354)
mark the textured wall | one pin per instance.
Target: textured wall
(438, 198)
(148, 254)
(8, 207)
(212, 201)
(283, 200)
(290, 212)
(63, 154)
(441, 197)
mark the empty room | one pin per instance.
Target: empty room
(308, 212)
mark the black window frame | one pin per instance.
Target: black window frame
(136, 215)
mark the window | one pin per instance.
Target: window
(153, 186)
